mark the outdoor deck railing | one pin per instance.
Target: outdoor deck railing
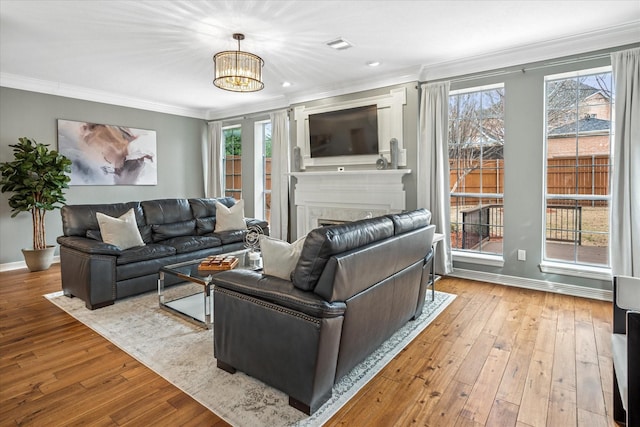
(485, 222)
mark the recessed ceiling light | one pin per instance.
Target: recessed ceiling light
(373, 63)
(286, 84)
(339, 44)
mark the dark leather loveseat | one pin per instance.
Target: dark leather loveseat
(174, 230)
(354, 285)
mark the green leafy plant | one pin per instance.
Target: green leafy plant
(37, 177)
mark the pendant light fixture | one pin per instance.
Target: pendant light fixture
(238, 71)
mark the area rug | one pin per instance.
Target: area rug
(182, 353)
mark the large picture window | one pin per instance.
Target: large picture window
(263, 140)
(476, 163)
(232, 161)
(578, 164)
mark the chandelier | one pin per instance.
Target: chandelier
(238, 71)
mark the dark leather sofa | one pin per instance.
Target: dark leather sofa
(354, 285)
(174, 230)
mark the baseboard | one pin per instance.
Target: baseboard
(9, 266)
(538, 285)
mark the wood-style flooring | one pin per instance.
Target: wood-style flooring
(497, 356)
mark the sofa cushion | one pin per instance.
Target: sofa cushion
(229, 219)
(232, 236)
(177, 229)
(166, 211)
(145, 232)
(408, 221)
(203, 208)
(185, 244)
(279, 258)
(145, 253)
(78, 219)
(324, 242)
(121, 232)
(205, 225)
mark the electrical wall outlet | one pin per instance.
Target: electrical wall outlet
(522, 255)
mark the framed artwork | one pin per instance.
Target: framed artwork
(108, 154)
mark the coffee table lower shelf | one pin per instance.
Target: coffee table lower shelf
(192, 308)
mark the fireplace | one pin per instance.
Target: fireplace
(323, 222)
(334, 197)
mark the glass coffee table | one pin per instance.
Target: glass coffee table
(190, 295)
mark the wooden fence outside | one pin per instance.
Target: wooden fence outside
(584, 175)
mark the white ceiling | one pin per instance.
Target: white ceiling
(157, 55)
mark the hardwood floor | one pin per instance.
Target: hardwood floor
(497, 356)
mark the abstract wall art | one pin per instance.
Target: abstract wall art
(108, 154)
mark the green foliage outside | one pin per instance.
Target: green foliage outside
(233, 141)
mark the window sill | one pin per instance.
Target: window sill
(474, 258)
(577, 270)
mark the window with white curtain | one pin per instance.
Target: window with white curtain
(578, 135)
(262, 165)
(476, 165)
(232, 161)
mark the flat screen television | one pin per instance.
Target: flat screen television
(349, 132)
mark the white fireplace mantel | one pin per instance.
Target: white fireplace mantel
(347, 195)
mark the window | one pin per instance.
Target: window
(263, 152)
(476, 164)
(578, 163)
(232, 161)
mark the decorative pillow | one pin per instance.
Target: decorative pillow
(121, 232)
(279, 258)
(229, 219)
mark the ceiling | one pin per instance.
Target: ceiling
(157, 55)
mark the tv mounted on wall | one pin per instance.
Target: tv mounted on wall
(353, 131)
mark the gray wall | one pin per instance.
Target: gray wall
(179, 156)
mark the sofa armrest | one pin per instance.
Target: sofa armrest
(277, 291)
(89, 246)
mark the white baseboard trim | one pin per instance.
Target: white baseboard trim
(538, 285)
(9, 266)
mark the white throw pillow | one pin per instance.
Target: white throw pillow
(230, 219)
(279, 258)
(121, 232)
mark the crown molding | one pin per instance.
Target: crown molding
(577, 44)
(390, 79)
(14, 81)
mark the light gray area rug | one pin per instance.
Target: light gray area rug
(182, 353)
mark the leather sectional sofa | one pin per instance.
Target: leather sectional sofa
(354, 285)
(173, 230)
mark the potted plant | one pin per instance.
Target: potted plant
(36, 177)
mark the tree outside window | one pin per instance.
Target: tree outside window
(476, 164)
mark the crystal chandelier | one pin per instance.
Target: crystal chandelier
(238, 71)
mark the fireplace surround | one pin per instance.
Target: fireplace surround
(339, 196)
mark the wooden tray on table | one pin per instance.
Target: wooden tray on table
(218, 263)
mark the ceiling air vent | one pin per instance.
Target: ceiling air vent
(339, 44)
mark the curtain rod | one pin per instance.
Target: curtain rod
(522, 68)
(250, 116)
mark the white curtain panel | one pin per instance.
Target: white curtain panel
(624, 244)
(279, 223)
(212, 164)
(433, 166)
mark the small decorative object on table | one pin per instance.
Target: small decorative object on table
(218, 263)
(252, 242)
(381, 163)
(393, 148)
